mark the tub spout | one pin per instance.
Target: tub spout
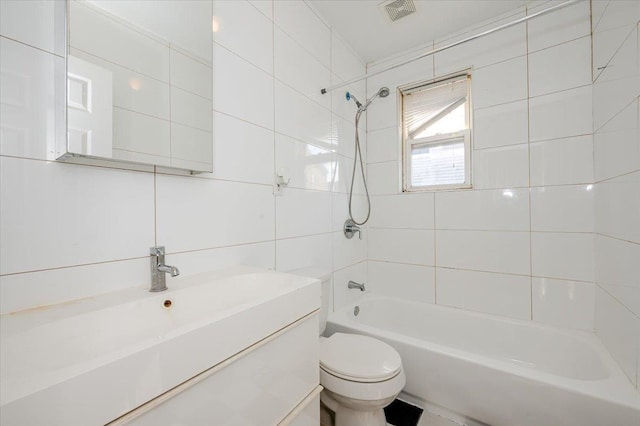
(353, 284)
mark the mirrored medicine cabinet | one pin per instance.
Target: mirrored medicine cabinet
(139, 82)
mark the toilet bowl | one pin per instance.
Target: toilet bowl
(360, 375)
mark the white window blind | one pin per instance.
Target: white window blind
(436, 134)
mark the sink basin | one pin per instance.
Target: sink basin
(93, 360)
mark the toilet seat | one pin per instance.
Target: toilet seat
(363, 391)
(358, 358)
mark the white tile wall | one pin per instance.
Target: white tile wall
(616, 90)
(301, 23)
(299, 69)
(558, 27)
(301, 118)
(501, 209)
(499, 294)
(55, 215)
(402, 245)
(251, 101)
(562, 161)
(88, 222)
(618, 328)
(489, 50)
(190, 213)
(500, 83)
(521, 242)
(492, 251)
(308, 166)
(302, 212)
(562, 255)
(415, 281)
(561, 114)
(402, 211)
(616, 145)
(382, 145)
(617, 209)
(235, 20)
(343, 138)
(302, 252)
(233, 139)
(567, 208)
(500, 125)
(563, 303)
(570, 61)
(383, 178)
(503, 167)
(347, 252)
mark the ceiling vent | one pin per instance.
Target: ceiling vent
(394, 10)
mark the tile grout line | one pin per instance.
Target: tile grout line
(529, 170)
(273, 89)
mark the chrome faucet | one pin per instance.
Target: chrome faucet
(351, 228)
(353, 284)
(159, 269)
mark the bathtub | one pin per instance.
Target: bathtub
(484, 369)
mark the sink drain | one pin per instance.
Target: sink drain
(356, 311)
(167, 303)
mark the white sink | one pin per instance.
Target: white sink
(91, 361)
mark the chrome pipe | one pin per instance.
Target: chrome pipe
(449, 46)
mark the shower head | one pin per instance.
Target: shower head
(383, 92)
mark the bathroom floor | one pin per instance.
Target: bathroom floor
(430, 419)
(427, 419)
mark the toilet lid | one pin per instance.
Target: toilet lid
(359, 358)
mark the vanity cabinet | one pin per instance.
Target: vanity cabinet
(273, 382)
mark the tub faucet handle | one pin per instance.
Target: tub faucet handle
(351, 228)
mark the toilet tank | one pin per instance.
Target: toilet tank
(325, 289)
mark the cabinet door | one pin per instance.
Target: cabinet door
(308, 414)
(259, 388)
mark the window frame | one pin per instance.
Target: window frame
(440, 139)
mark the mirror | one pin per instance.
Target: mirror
(139, 82)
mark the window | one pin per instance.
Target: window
(436, 134)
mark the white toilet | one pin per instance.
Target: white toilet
(360, 375)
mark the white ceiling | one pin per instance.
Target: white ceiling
(373, 37)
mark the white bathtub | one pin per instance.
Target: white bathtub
(494, 370)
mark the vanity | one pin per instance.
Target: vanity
(238, 346)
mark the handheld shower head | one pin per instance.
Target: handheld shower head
(349, 96)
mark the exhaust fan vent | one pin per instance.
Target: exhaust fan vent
(397, 9)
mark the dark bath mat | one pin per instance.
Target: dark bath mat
(399, 413)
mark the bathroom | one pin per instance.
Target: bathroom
(539, 241)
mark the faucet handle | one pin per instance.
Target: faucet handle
(350, 228)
